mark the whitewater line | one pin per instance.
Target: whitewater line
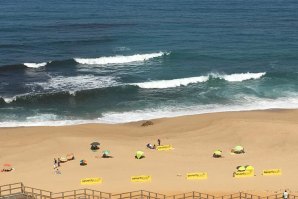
(35, 65)
(238, 77)
(119, 59)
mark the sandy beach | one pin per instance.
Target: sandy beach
(269, 137)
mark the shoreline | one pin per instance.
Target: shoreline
(269, 136)
(93, 122)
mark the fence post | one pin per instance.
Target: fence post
(22, 188)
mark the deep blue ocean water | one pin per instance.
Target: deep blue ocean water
(67, 62)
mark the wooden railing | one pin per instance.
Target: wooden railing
(11, 189)
(81, 194)
(195, 195)
(280, 196)
(239, 195)
(139, 194)
(36, 193)
(19, 191)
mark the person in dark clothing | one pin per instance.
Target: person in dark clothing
(158, 141)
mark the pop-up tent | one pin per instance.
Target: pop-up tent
(217, 154)
(139, 155)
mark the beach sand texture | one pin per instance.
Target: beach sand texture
(269, 137)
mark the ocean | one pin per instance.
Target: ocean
(114, 61)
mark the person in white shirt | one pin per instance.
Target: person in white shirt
(285, 195)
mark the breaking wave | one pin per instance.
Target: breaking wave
(119, 59)
(35, 65)
(191, 80)
(73, 84)
(165, 112)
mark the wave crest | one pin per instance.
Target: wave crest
(238, 77)
(241, 76)
(119, 59)
(35, 65)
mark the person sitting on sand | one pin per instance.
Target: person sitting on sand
(94, 147)
(150, 146)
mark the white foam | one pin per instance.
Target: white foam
(9, 99)
(172, 83)
(168, 112)
(42, 117)
(190, 80)
(245, 104)
(35, 65)
(43, 120)
(73, 84)
(44, 123)
(119, 59)
(242, 76)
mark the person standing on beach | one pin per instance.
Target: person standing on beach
(285, 195)
(58, 162)
(55, 163)
(158, 141)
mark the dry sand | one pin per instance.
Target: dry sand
(269, 137)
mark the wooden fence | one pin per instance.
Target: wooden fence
(19, 191)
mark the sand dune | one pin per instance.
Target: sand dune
(269, 137)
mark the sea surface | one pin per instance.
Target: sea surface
(114, 61)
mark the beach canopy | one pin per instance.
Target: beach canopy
(63, 159)
(139, 154)
(241, 168)
(95, 143)
(70, 156)
(106, 152)
(249, 168)
(238, 148)
(217, 152)
(7, 167)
